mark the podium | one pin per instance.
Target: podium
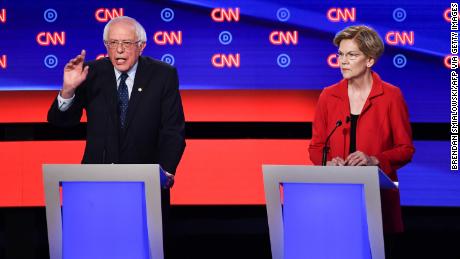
(325, 211)
(104, 211)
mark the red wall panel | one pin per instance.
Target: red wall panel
(230, 171)
(250, 105)
(199, 105)
(21, 181)
(211, 171)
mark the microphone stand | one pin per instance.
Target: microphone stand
(326, 144)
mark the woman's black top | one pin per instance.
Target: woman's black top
(354, 120)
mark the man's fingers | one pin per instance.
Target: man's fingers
(170, 177)
(169, 182)
(79, 59)
(71, 63)
(85, 72)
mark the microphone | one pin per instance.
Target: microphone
(326, 144)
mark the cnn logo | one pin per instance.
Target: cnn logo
(448, 15)
(171, 38)
(225, 14)
(48, 38)
(281, 37)
(223, 60)
(3, 61)
(105, 14)
(400, 38)
(341, 14)
(451, 62)
(3, 15)
(333, 61)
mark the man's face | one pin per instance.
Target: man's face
(123, 55)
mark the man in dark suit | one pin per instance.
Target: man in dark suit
(132, 103)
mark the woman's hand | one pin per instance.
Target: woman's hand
(336, 161)
(359, 158)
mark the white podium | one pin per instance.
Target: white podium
(325, 211)
(104, 211)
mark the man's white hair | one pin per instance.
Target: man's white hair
(140, 31)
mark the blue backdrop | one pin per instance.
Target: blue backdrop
(415, 65)
(29, 61)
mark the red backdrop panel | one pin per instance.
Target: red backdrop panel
(230, 171)
(21, 181)
(199, 105)
(250, 105)
(211, 171)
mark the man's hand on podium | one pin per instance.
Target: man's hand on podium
(169, 180)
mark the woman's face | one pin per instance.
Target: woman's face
(353, 62)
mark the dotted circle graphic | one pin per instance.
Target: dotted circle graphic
(50, 61)
(399, 14)
(283, 60)
(50, 15)
(167, 14)
(283, 14)
(399, 61)
(168, 58)
(225, 37)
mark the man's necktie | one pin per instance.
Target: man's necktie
(123, 99)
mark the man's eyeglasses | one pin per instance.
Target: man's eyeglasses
(349, 55)
(126, 44)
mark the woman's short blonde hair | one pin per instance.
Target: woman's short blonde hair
(368, 40)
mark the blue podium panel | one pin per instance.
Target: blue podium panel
(325, 221)
(104, 220)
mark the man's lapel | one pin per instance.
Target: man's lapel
(141, 82)
(109, 86)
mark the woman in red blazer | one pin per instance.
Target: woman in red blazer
(376, 129)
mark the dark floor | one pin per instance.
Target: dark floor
(236, 232)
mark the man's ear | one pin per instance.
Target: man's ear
(142, 46)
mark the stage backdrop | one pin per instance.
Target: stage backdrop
(263, 48)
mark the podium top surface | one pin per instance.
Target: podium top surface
(328, 174)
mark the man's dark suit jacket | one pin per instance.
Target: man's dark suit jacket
(155, 119)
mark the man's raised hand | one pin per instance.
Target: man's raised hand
(74, 75)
